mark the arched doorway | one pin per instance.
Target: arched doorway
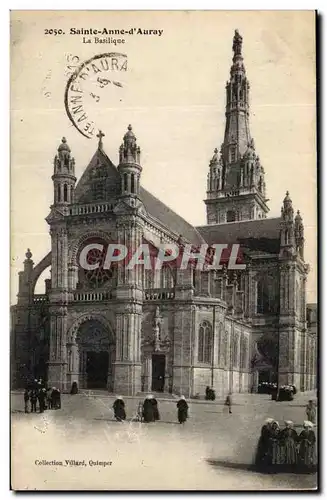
(91, 356)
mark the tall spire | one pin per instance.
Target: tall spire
(237, 130)
(236, 185)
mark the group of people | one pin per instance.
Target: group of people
(37, 394)
(148, 410)
(285, 450)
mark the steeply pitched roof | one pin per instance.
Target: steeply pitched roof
(169, 218)
(261, 234)
(153, 205)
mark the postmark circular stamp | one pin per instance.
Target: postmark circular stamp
(96, 85)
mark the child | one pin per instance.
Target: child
(228, 402)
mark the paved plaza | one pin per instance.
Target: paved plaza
(213, 450)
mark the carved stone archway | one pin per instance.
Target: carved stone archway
(91, 351)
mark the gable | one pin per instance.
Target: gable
(101, 178)
(99, 182)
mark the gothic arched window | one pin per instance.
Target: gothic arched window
(148, 278)
(231, 216)
(71, 194)
(226, 350)
(266, 296)
(100, 275)
(65, 192)
(167, 276)
(244, 354)
(58, 193)
(132, 183)
(205, 343)
(235, 351)
(125, 182)
(297, 298)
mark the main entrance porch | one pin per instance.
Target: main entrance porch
(91, 357)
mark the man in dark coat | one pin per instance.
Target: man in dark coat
(182, 412)
(33, 401)
(148, 410)
(307, 449)
(41, 398)
(119, 409)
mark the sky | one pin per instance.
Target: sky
(174, 96)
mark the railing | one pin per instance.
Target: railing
(159, 294)
(92, 296)
(93, 208)
(40, 299)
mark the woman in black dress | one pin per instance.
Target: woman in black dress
(261, 458)
(182, 407)
(119, 409)
(288, 445)
(156, 413)
(148, 409)
(307, 448)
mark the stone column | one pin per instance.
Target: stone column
(148, 373)
(183, 350)
(58, 297)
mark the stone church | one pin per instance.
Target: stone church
(175, 331)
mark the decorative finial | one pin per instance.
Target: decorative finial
(99, 136)
(64, 146)
(129, 137)
(28, 254)
(237, 43)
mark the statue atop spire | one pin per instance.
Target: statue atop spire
(237, 44)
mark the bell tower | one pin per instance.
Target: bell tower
(129, 166)
(63, 176)
(236, 187)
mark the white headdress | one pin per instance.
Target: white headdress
(120, 397)
(289, 423)
(149, 396)
(182, 397)
(269, 420)
(307, 423)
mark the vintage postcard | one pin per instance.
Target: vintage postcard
(163, 250)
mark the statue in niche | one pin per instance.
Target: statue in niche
(157, 329)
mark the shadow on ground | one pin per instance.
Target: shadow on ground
(252, 468)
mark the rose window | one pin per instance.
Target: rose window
(98, 277)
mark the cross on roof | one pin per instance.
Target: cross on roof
(100, 135)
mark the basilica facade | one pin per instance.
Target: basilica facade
(171, 330)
